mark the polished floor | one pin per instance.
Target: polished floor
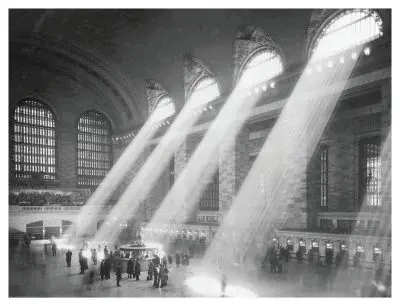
(49, 277)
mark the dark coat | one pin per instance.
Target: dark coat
(68, 256)
(129, 269)
(151, 267)
(170, 259)
(118, 272)
(178, 259)
(137, 267)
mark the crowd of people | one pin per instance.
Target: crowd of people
(158, 267)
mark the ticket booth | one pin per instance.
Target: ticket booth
(302, 245)
(377, 255)
(344, 246)
(315, 246)
(289, 245)
(360, 250)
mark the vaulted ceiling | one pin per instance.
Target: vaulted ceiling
(135, 45)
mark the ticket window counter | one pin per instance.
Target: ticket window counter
(315, 246)
(328, 247)
(344, 247)
(360, 251)
(302, 245)
(377, 253)
(289, 245)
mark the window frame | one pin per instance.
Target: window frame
(78, 159)
(363, 169)
(46, 107)
(322, 33)
(211, 190)
(324, 176)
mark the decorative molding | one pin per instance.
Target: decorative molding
(34, 45)
(194, 70)
(250, 40)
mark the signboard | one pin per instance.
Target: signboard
(208, 219)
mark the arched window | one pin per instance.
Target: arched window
(206, 90)
(263, 66)
(33, 141)
(348, 30)
(94, 148)
(165, 108)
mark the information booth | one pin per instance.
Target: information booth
(143, 253)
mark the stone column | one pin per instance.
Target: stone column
(67, 157)
(233, 168)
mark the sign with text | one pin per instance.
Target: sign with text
(208, 219)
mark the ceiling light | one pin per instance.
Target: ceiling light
(330, 64)
(341, 60)
(309, 70)
(256, 90)
(249, 94)
(367, 51)
(319, 68)
(353, 55)
(210, 107)
(272, 85)
(264, 87)
(204, 109)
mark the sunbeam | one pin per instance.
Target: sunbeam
(148, 174)
(281, 163)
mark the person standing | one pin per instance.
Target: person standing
(169, 259)
(118, 273)
(161, 276)
(223, 284)
(150, 271)
(54, 249)
(68, 257)
(156, 279)
(102, 269)
(94, 256)
(137, 269)
(105, 252)
(129, 268)
(178, 259)
(81, 262)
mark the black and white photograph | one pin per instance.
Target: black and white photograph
(198, 152)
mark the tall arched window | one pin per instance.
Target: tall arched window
(33, 141)
(263, 66)
(206, 90)
(94, 148)
(349, 29)
(165, 108)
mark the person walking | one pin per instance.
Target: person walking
(94, 256)
(137, 269)
(177, 259)
(68, 257)
(118, 273)
(129, 269)
(105, 252)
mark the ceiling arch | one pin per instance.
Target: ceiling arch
(124, 98)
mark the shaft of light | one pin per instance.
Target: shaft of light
(89, 212)
(296, 132)
(185, 193)
(145, 179)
